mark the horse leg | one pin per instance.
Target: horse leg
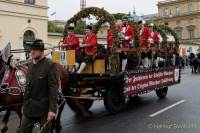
(195, 69)
(75, 103)
(192, 69)
(4, 122)
(84, 112)
(19, 113)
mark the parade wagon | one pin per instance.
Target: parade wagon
(102, 78)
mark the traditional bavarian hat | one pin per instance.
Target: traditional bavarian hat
(89, 27)
(37, 45)
(124, 18)
(141, 21)
(70, 27)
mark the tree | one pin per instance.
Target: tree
(80, 28)
(53, 28)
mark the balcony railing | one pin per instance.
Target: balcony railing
(190, 41)
(180, 14)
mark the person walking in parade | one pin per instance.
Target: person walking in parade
(40, 98)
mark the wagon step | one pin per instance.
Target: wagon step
(89, 98)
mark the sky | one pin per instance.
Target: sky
(65, 9)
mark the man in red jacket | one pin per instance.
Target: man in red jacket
(71, 42)
(126, 35)
(90, 48)
(153, 41)
(154, 37)
(144, 42)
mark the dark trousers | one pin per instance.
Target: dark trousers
(27, 124)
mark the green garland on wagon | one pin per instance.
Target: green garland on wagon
(159, 29)
(97, 12)
(172, 32)
(118, 16)
(137, 31)
(102, 16)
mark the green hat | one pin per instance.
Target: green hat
(37, 45)
(124, 18)
(89, 27)
(70, 28)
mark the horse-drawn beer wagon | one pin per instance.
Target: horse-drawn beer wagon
(102, 79)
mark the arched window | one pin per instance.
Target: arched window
(29, 37)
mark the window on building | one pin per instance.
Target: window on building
(29, 1)
(191, 29)
(166, 12)
(166, 23)
(179, 34)
(190, 33)
(189, 7)
(178, 22)
(190, 21)
(170, 12)
(177, 10)
(28, 38)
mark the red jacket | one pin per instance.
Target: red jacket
(91, 41)
(144, 36)
(155, 38)
(71, 43)
(109, 38)
(118, 27)
(130, 33)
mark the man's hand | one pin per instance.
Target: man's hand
(83, 45)
(126, 38)
(51, 116)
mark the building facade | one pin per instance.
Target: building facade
(184, 17)
(22, 21)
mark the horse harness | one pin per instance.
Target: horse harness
(9, 75)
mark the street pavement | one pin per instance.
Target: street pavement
(178, 113)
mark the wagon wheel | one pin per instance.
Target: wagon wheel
(114, 100)
(162, 92)
(85, 103)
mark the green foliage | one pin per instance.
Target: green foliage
(101, 14)
(80, 27)
(53, 28)
(118, 16)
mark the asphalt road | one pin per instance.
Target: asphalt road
(178, 113)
